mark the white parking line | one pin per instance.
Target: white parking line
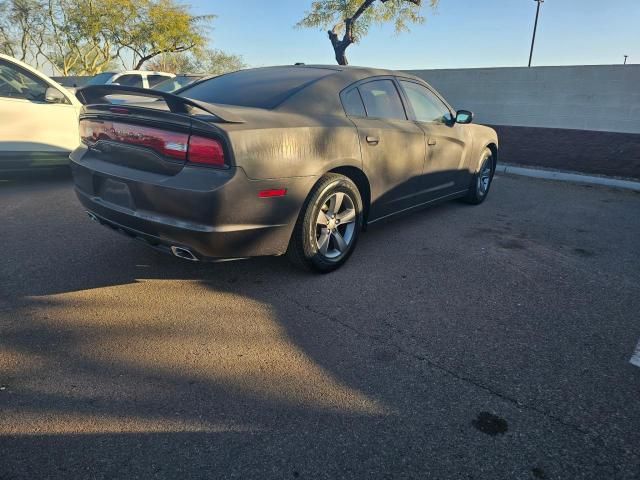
(635, 358)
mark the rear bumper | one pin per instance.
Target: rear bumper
(167, 244)
(213, 213)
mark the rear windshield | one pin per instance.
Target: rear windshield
(260, 88)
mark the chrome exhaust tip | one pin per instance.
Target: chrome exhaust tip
(92, 217)
(183, 253)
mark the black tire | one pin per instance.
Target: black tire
(481, 180)
(304, 250)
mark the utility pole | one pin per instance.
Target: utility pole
(625, 59)
(535, 27)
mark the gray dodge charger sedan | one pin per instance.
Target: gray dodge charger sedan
(294, 159)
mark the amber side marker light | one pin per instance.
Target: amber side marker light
(273, 192)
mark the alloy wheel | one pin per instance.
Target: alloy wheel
(484, 179)
(335, 225)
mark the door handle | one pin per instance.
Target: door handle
(432, 141)
(372, 140)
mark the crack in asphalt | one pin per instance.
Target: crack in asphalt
(448, 371)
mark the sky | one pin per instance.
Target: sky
(459, 34)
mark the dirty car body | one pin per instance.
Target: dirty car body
(226, 169)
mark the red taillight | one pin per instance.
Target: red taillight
(180, 146)
(170, 144)
(205, 151)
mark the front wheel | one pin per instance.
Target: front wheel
(329, 224)
(481, 180)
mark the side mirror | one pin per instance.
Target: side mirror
(53, 95)
(464, 116)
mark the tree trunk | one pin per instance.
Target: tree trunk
(341, 55)
(339, 47)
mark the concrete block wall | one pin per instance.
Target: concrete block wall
(593, 97)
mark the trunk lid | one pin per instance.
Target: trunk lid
(160, 135)
(147, 137)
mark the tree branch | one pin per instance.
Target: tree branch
(175, 49)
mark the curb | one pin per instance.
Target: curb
(568, 177)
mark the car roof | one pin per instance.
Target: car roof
(329, 86)
(345, 71)
(303, 89)
(354, 70)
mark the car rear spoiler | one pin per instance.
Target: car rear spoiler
(97, 94)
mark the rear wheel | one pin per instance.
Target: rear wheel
(329, 224)
(481, 181)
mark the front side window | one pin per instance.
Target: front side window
(170, 85)
(130, 80)
(173, 84)
(426, 106)
(381, 100)
(16, 82)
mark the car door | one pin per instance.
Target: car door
(393, 148)
(33, 129)
(447, 141)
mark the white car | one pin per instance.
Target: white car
(131, 78)
(38, 118)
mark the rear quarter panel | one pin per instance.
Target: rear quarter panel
(280, 145)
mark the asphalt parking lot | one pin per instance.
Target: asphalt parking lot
(488, 342)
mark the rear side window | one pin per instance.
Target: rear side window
(156, 79)
(382, 100)
(260, 88)
(170, 85)
(129, 80)
(352, 103)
